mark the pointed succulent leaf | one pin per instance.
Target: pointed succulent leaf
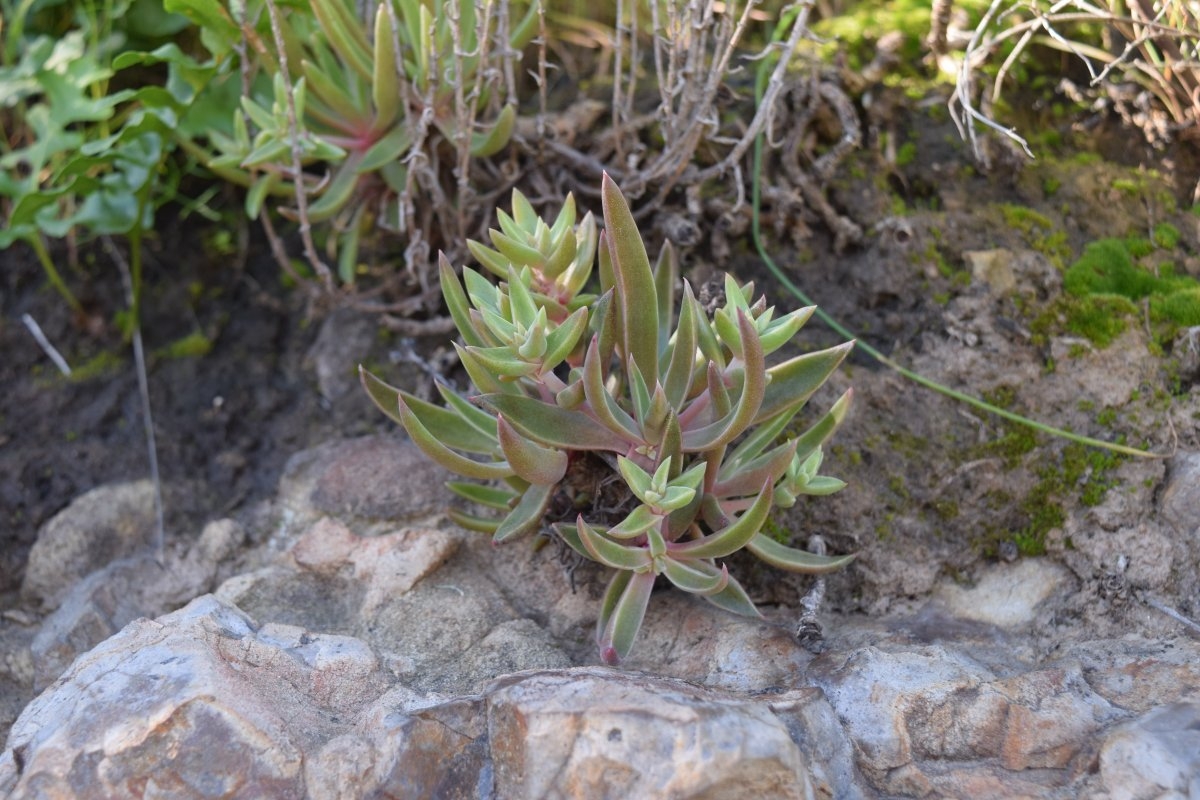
(572, 396)
(696, 577)
(609, 553)
(446, 425)
(637, 479)
(618, 635)
(612, 595)
(822, 485)
(636, 523)
(733, 537)
(533, 348)
(482, 494)
(531, 461)
(586, 238)
(388, 149)
(517, 252)
(346, 35)
(666, 275)
(327, 90)
(552, 425)
(560, 257)
(338, 192)
(493, 140)
(483, 293)
(633, 281)
(526, 515)
(733, 598)
(569, 533)
(433, 447)
(512, 229)
(823, 428)
(494, 262)
(793, 560)
(501, 361)
(671, 444)
(523, 213)
(473, 522)
(724, 430)
(481, 375)
(385, 83)
(764, 433)
(611, 415)
(639, 393)
(747, 478)
(523, 308)
(795, 380)
(562, 340)
(456, 302)
(682, 365)
(781, 331)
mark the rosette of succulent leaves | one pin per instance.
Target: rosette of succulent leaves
(576, 389)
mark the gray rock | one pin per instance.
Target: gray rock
(381, 477)
(344, 337)
(123, 591)
(201, 703)
(1007, 595)
(1156, 755)
(598, 733)
(1179, 501)
(101, 526)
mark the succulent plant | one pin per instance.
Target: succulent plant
(365, 97)
(582, 393)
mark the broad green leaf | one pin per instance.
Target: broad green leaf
(793, 560)
(634, 283)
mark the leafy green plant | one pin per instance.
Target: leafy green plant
(78, 155)
(580, 392)
(340, 111)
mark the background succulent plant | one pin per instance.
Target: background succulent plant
(576, 388)
(411, 84)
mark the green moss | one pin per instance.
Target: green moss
(1038, 231)
(1050, 186)
(906, 154)
(1108, 279)
(100, 365)
(1166, 235)
(1127, 187)
(194, 345)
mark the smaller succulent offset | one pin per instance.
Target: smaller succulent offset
(580, 393)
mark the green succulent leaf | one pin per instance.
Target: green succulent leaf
(682, 364)
(696, 577)
(795, 380)
(434, 447)
(552, 425)
(385, 83)
(610, 415)
(473, 522)
(754, 388)
(345, 34)
(793, 560)
(734, 536)
(609, 553)
(526, 516)
(492, 141)
(733, 598)
(633, 281)
(490, 496)
(388, 149)
(563, 339)
(456, 302)
(629, 609)
(636, 523)
(747, 478)
(666, 275)
(531, 461)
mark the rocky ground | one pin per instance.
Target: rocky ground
(1020, 620)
